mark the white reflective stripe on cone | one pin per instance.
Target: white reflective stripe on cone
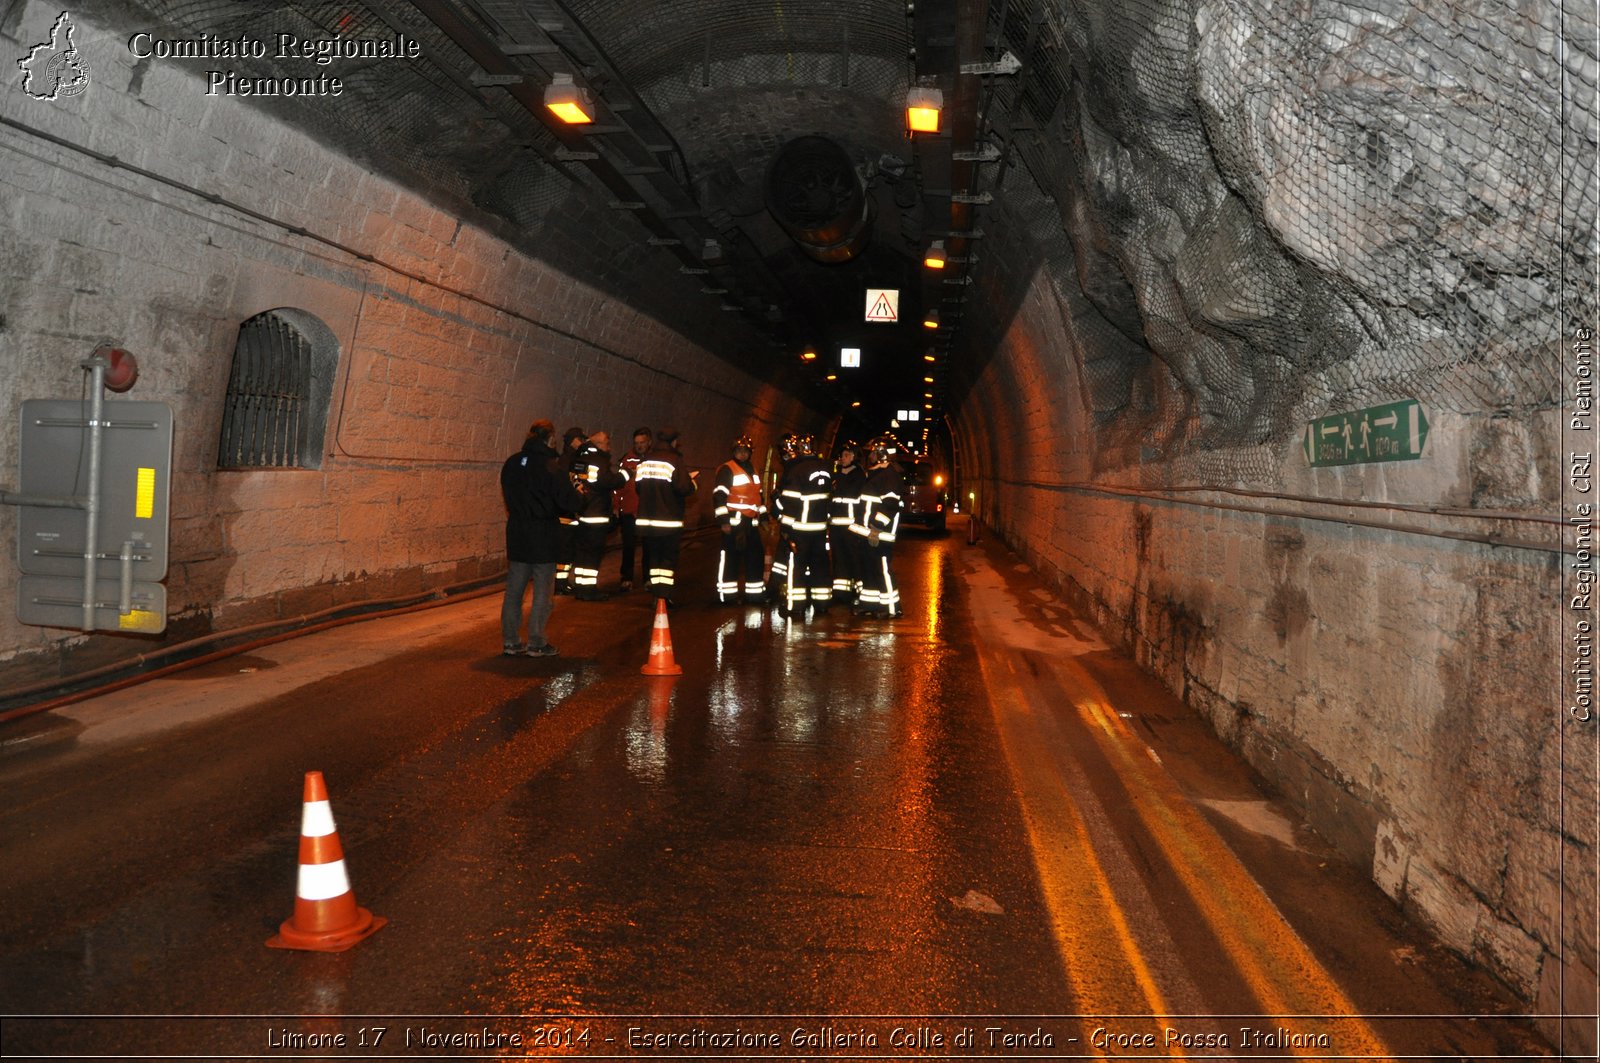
(322, 882)
(316, 819)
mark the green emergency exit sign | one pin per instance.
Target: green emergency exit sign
(1395, 431)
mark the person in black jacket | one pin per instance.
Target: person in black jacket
(595, 479)
(803, 500)
(536, 493)
(664, 486)
(567, 537)
(843, 547)
(877, 520)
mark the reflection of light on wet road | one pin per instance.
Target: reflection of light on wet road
(645, 739)
(931, 603)
(1060, 734)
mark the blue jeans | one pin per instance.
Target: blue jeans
(518, 575)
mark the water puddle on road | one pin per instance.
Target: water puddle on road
(1042, 627)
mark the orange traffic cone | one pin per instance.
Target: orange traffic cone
(326, 918)
(661, 662)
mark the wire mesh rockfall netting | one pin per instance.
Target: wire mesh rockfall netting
(1305, 206)
(1317, 205)
(421, 119)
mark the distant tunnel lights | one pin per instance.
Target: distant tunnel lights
(922, 109)
(567, 101)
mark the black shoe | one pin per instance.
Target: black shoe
(513, 650)
(546, 650)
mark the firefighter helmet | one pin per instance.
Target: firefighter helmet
(786, 445)
(745, 442)
(804, 443)
(879, 449)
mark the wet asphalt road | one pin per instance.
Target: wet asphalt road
(866, 839)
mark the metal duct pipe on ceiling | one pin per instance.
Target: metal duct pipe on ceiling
(815, 194)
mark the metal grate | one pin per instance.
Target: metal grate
(266, 415)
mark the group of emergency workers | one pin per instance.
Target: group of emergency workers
(645, 494)
(837, 527)
(837, 522)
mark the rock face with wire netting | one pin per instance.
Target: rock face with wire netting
(1317, 206)
(1245, 216)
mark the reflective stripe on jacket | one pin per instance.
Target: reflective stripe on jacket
(881, 499)
(737, 493)
(806, 493)
(663, 486)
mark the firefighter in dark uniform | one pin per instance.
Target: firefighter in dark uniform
(595, 480)
(778, 578)
(739, 510)
(876, 521)
(843, 547)
(567, 535)
(627, 501)
(664, 485)
(803, 500)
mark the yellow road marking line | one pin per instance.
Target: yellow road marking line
(1277, 965)
(1084, 911)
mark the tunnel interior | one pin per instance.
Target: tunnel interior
(1249, 214)
(1180, 235)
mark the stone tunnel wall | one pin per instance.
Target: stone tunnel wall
(1253, 215)
(450, 341)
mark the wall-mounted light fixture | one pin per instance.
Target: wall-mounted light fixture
(808, 355)
(930, 319)
(935, 256)
(930, 357)
(923, 103)
(568, 101)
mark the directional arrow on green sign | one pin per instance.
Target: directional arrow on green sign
(1395, 431)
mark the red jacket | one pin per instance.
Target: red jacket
(625, 499)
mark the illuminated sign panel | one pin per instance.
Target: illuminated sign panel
(883, 305)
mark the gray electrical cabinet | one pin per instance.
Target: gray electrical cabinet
(133, 518)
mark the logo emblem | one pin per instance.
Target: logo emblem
(55, 69)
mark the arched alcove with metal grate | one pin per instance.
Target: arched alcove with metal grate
(275, 413)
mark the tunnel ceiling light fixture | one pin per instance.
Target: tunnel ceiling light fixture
(568, 101)
(930, 357)
(931, 319)
(935, 257)
(808, 355)
(923, 104)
